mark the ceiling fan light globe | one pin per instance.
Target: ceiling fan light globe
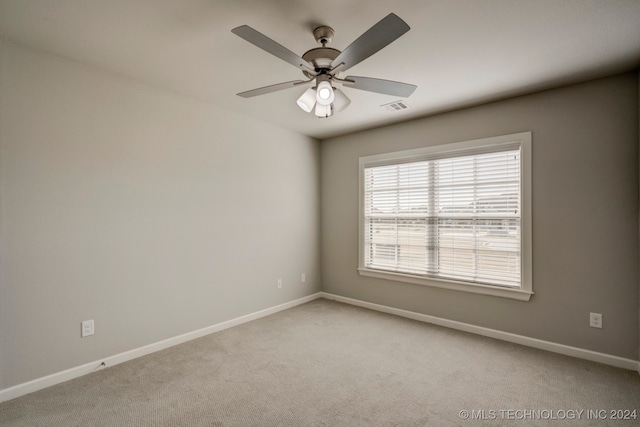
(323, 110)
(308, 100)
(324, 93)
(341, 100)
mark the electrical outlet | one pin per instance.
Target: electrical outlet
(303, 278)
(595, 320)
(279, 283)
(87, 328)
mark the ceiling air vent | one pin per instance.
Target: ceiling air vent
(396, 106)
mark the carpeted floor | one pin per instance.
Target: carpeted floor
(329, 364)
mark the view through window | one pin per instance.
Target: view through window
(452, 215)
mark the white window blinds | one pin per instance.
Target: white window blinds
(449, 216)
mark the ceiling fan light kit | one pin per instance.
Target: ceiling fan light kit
(322, 65)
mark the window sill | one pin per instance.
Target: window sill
(496, 291)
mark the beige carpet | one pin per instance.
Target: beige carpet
(331, 364)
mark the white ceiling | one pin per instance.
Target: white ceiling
(458, 52)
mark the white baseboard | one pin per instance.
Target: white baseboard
(78, 371)
(607, 359)
(87, 368)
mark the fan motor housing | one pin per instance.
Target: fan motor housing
(321, 58)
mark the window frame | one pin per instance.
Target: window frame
(523, 139)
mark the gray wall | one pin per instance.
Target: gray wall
(152, 213)
(585, 214)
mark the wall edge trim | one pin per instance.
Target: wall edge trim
(87, 368)
(580, 353)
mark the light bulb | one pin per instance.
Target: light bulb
(324, 93)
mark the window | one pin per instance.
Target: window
(454, 216)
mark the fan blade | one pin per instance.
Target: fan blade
(272, 88)
(388, 87)
(375, 38)
(265, 43)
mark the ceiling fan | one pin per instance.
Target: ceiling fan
(322, 65)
